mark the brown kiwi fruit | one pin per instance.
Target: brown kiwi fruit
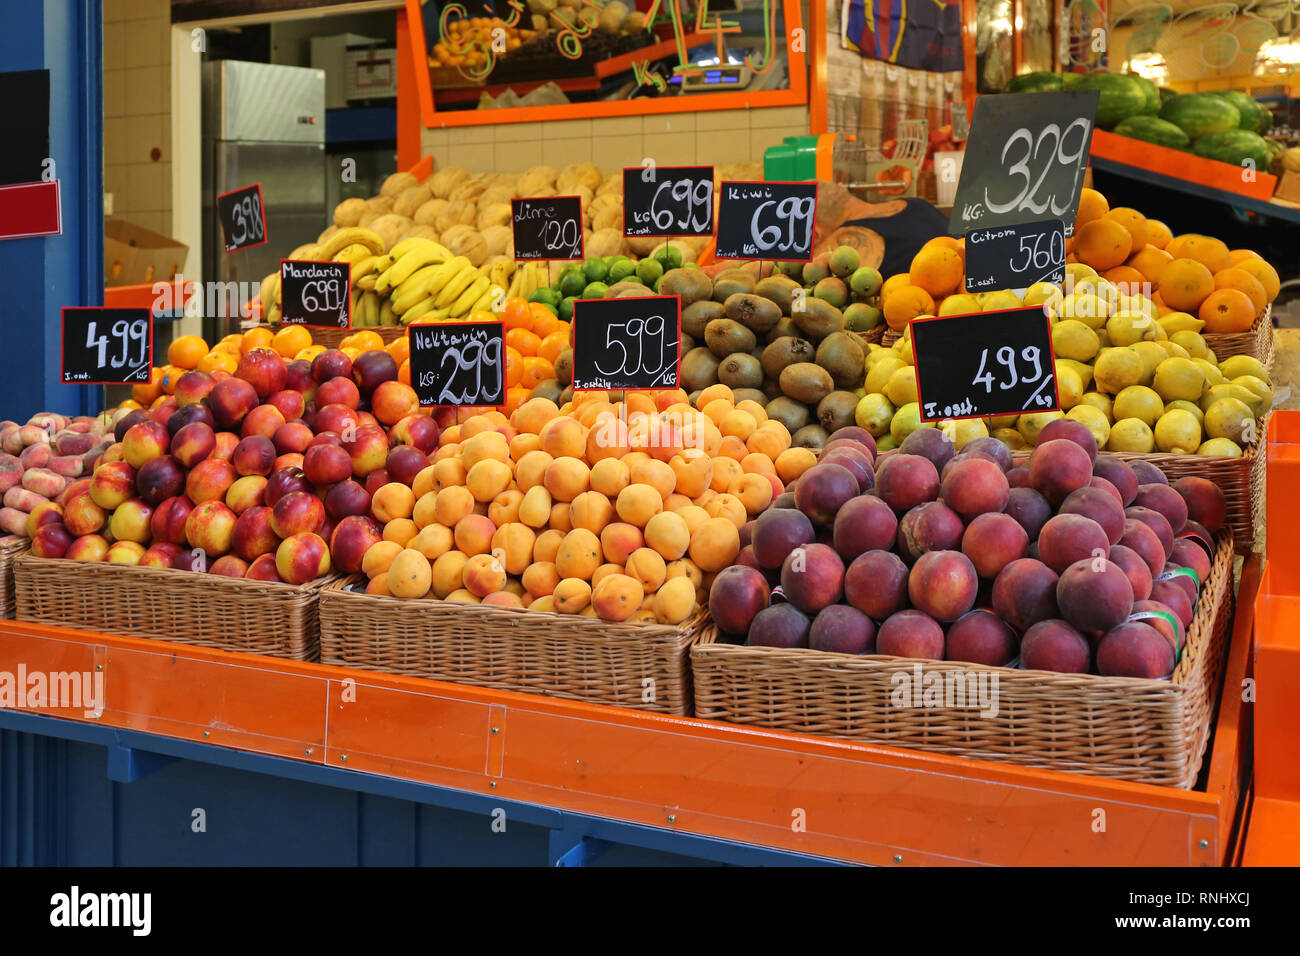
(691, 284)
(564, 367)
(806, 382)
(687, 343)
(810, 436)
(785, 327)
(566, 396)
(699, 314)
(547, 388)
(818, 319)
(699, 370)
(752, 311)
(842, 354)
(783, 352)
(731, 282)
(793, 415)
(740, 370)
(772, 389)
(618, 288)
(725, 337)
(778, 289)
(749, 395)
(835, 411)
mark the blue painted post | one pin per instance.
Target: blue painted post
(44, 274)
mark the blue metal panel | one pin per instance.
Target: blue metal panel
(360, 124)
(59, 805)
(43, 275)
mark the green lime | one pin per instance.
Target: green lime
(595, 269)
(566, 308)
(621, 269)
(668, 256)
(547, 296)
(573, 282)
(595, 290)
(649, 270)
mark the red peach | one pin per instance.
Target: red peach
(112, 484)
(124, 552)
(264, 369)
(209, 480)
(419, 430)
(210, 526)
(371, 369)
(330, 364)
(160, 478)
(263, 420)
(292, 436)
(193, 387)
(405, 462)
(131, 520)
(253, 534)
(376, 480)
(338, 391)
(51, 541)
(289, 403)
(326, 464)
(304, 557)
(335, 418)
(351, 540)
(193, 443)
(254, 455)
(148, 440)
(88, 547)
(297, 378)
(230, 400)
(82, 516)
(393, 401)
(160, 554)
(227, 442)
(229, 566)
(296, 513)
(368, 447)
(246, 492)
(283, 481)
(263, 569)
(169, 518)
(346, 498)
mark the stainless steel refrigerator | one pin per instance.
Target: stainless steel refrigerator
(262, 123)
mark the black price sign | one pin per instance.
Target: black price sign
(627, 343)
(315, 293)
(458, 363)
(990, 363)
(106, 346)
(548, 227)
(243, 220)
(668, 201)
(1025, 159)
(1015, 256)
(766, 221)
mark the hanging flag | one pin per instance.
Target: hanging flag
(921, 34)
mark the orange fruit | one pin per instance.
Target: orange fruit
(144, 394)
(891, 284)
(219, 360)
(1227, 310)
(947, 242)
(1133, 221)
(544, 325)
(1102, 243)
(482, 315)
(1092, 206)
(367, 341)
(404, 372)
(1236, 255)
(516, 314)
(400, 349)
(1158, 234)
(905, 304)
(514, 367)
(524, 341)
(1235, 278)
(515, 398)
(536, 369)
(1266, 275)
(170, 374)
(1184, 285)
(1161, 309)
(937, 270)
(1210, 252)
(258, 337)
(291, 340)
(234, 347)
(1129, 280)
(538, 311)
(553, 345)
(309, 353)
(1150, 261)
(186, 351)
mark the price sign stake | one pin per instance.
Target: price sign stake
(315, 293)
(1025, 159)
(549, 227)
(761, 220)
(668, 201)
(1015, 256)
(458, 363)
(990, 363)
(243, 219)
(632, 343)
(106, 346)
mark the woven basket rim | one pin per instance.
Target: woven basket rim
(172, 575)
(1196, 641)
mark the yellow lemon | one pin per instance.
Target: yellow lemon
(1073, 340)
(1178, 432)
(874, 413)
(1179, 378)
(1229, 418)
(1125, 328)
(1117, 369)
(1220, 446)
(906, 420)
(1098, 401)
(1180, 322)
(901, 387)
(959, 304)
(1131, 434)
(1139, 402)
(1011, 438)
(1192, 342)
(1093, 419)
(1069, 389)
(1189, 407)
(1004, 299)
(1030, 426)
(1238, 365)
(1262, 391)
(880, 373)
(903, 348)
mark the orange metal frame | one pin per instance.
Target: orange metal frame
(822, 797)
(418, 51)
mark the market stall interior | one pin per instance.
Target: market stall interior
(656, 424)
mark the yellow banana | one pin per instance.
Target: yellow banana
(409, 245)
(270, 290)
(487, 300)
(441, 275)
(418, 311)
(405, 267)
(467, 298)
(413, 289)
(274, 313)
(346, 237)
(361, 268)
(305, 253)
(456, 285)
(369, 309)
(501, 274)
(512, 289)
(386, 314)
(353, 253)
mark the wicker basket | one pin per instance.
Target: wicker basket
(1257, 341)
(10, 547)
(1148, 731)
(643, 666)
(871, 337)
(229, 614)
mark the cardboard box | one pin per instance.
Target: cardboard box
(370, 74)
(1288, 187)
(328, 54)
(134, 255)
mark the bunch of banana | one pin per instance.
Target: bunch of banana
(528, 278)
(269, 296)
(353, 235)
(407, 258)
(502, 273)
(365, 312)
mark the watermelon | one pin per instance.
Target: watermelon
(1151, 90)
(1199, 113)
(1070, 81)
(1253, 115)
(1152, 129)
(1121, 97)
(1039, 82)
(1235, 146)
(1166, 94)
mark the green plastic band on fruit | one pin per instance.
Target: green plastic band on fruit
(1173, 625)
(1189, 572)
